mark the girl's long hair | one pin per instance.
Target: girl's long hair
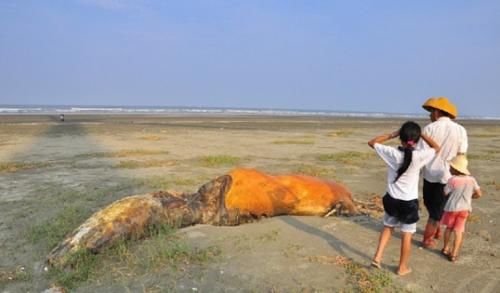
(410, 134)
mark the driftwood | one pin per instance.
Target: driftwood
(239, 197)
(374, 208)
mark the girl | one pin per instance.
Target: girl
(400, 201)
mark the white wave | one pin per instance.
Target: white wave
(16, 109)
(20, 110)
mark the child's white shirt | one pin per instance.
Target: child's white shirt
(406, 188)
(460, 190)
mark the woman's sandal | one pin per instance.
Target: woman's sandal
(452, 258)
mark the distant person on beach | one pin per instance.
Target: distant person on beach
(460, 190)
(453, 141)
(61, 117)
(401, 198)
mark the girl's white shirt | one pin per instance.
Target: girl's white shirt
(406, 188)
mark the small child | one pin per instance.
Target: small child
(460, 190)
(401, 200)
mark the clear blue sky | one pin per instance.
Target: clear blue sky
(334, 55)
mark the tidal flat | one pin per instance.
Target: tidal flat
(54, 175)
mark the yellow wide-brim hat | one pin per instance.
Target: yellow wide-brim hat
(460, 163)
(441, 103)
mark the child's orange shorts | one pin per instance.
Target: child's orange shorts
(455, 220)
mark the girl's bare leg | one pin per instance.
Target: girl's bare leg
(405, 253)
(385, 235)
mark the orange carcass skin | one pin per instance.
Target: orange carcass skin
(260, 194)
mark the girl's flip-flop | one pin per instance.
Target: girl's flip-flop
(445, 252)
(405, 273)
(452, 258)
(376, 264)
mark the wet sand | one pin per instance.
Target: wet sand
(48, 168)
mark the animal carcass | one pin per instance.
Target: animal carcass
(239, 197)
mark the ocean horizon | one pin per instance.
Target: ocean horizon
(107, 109)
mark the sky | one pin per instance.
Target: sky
(352, 55)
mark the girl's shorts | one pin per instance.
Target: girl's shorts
(455, 220)
(390, 221)
(400, 213)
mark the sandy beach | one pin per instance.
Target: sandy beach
(54, 175)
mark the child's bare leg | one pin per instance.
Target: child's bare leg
(385, 235)
(405, 253)
(458, 243)
(446, 240)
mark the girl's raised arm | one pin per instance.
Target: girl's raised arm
(382, 138)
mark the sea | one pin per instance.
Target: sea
(173, 110)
